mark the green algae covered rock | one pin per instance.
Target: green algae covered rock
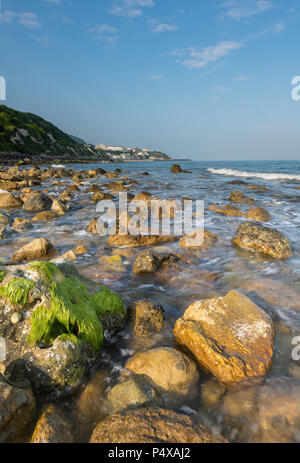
(64, 321)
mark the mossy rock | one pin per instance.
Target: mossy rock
(61, 311)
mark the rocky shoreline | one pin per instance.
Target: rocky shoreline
(63, 380)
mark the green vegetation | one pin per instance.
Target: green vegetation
(17, 290)
(72, 310)
(31, 135)
(159, 155)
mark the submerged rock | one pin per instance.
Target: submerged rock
(5, 219)
(227, 210)
(17, 409)
(258, 213)
(239, 197)
(65, 320)
(132, 392)
(204, 238)
(148, 317)
(176, 169)
(262, 239)
(59, 207)
(52, 427)
(151, 425)
(44, 216)
(37, 248)
(230, 336)
(21, 224)
(169, 370)
(140, 240)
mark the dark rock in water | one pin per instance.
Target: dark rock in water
(152, 425)
(139, 240)
(227, 210)
(237, 182)
(262, 239)
(230, 336)
(148, 317)
(17, 409)
(169, 370)
(146, 262)
(176, 169)
(37, 248)
(52, 427)
(238, 197)
(21, 224)
(38, 202)
(132, 392)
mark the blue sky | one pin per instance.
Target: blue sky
(206, 79)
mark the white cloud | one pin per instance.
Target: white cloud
(156, 77)
(61, 18)
(156, 26)
(237, 9)
(52, 1)
(278, 28)
(105, 33)
(195, 58)
(241, 79)
(130, 8)
(219, 89)
(26, 19)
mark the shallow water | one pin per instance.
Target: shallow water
(274, 285)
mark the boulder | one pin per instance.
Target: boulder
(17, 409)
(275, 293)
(229, 336)
(8, 201)
(148, 317)
(146, 262)
(139, 240)
(52, 427)
(262, 239)
(114, 263)
(151, 425)
(37, 248)
(37, 202)
(168, 369)
(258, 213)
(132, 392)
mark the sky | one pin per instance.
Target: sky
(203, 79)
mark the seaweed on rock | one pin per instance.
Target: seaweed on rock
(72, 311)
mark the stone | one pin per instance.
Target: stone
(132, 392)
(17, 409)
(146, 262)
(151, 425)
(148, 317)
(204, 238)
(8, 201)
(258, 213)
(37, 202)
(70, 256)
(21, 224)
(5, 219)
(227, 210)
(80, 250)
(273, 292)
(37, 248)
(168, 369)
(229, 336)
(92, 227)
(239, 197)
(44, 216)
(176, 169)
(59, 207)
(114, 263)
(262, 239)
(52, 427)
(139, 240)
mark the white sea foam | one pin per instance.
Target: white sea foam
(263, 175)
(58, 166)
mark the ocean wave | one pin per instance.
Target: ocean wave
(263, 175)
